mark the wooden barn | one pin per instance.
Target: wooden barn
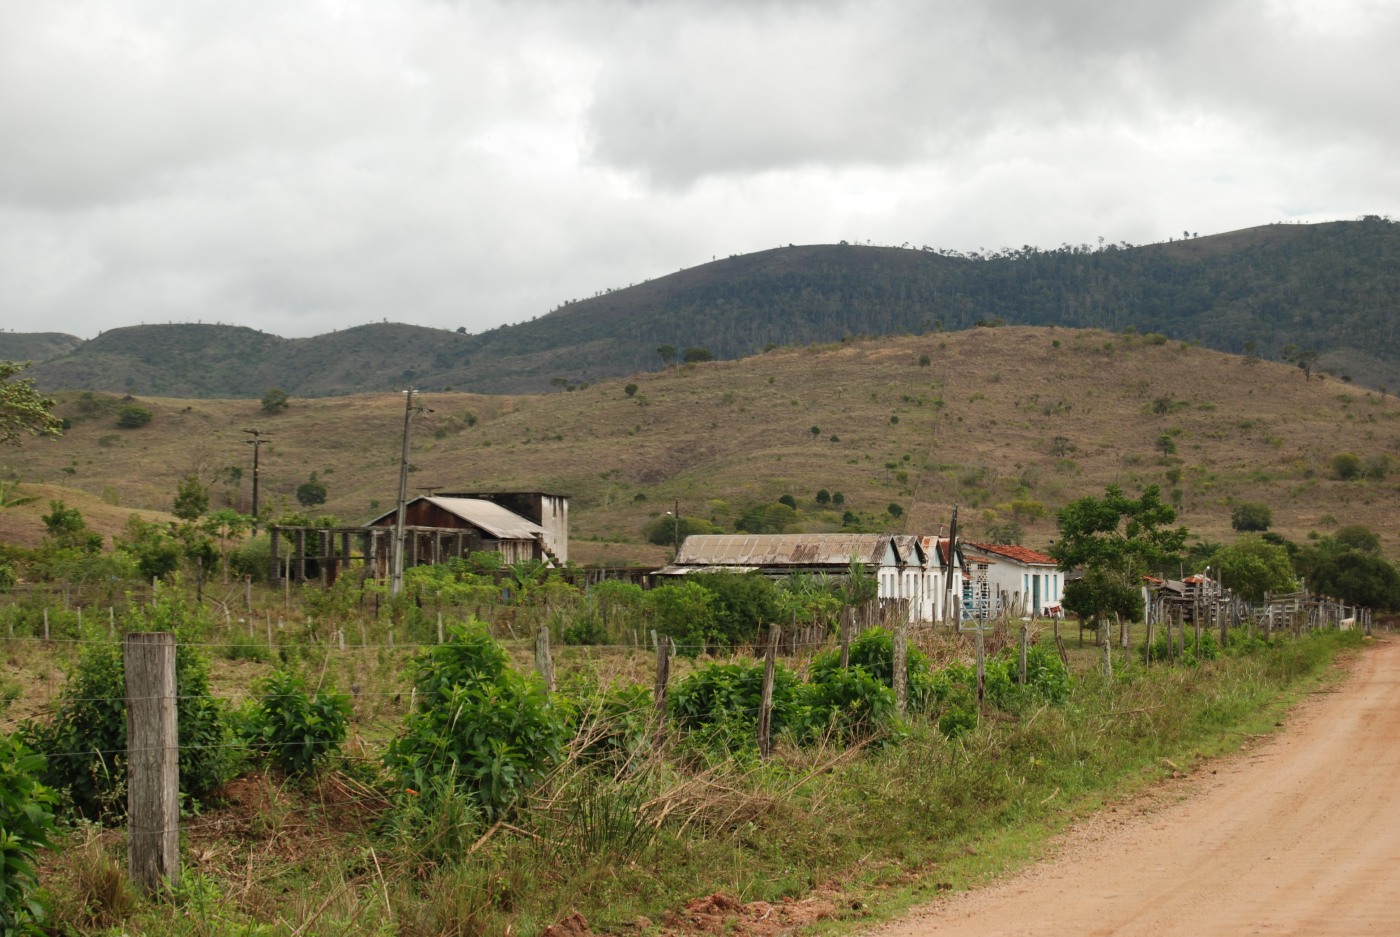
(520, 525)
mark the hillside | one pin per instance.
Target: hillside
(1330, 288)
(36, 346)
(1004, 422)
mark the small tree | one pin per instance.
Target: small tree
(1346, 466)
(1305, 359)
(191, 499)
(1116, 539)
(823, 496)
(696, 355)
(668, 354)
(311, 492)
(133, 417)
(275, 400)
(1252, 566)
(23, 411)
(65, 528)
(630, 390)
(1358, 537)
(1251, 516)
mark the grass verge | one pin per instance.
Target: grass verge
(833, 839)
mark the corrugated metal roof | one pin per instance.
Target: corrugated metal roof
(490, 517)
(782, 549)
(693, 570)
(499, 522)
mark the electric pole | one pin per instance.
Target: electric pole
(256, 442)
(396, 580)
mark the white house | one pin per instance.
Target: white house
(1017, 581)
(897, 564)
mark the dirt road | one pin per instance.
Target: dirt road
(1300, 834)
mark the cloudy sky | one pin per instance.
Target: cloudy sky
(303, 165)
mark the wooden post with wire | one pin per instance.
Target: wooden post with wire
(153, 761)
(765, 703)
(658, 693)
(899, 667)
(543, 662)
(847, 621)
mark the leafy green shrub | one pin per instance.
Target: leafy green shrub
(743, 604)
(295, 730)
(133, 417)
(664, 531)
(846, 704)
(953, 689)
(88, 732)
(684, 611)
(1346, 466)
(253, 557)
(958, 719)
(26, 826)
(480, 729)
(873, 651)
(720, 703)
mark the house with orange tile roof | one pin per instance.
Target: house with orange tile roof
(1018, 581)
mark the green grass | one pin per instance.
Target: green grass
(875, 830)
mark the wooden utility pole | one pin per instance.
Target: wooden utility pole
(396, 572)
(153, 761)
(256, 442)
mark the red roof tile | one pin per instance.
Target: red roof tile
(1012, 552)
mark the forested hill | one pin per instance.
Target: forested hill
(1333, 289)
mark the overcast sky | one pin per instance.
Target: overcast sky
(298, 166)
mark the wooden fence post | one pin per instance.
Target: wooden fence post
(1108, 650)
(899, 676)
(847, 617)
(765, 703)
(982, 671)
(1025, 644)
(658, 693)
(543, 663)
(153, 761)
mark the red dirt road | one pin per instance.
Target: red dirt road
(1300, 835)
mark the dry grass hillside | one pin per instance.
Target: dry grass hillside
(999, 421)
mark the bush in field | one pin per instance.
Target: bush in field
(296, 730)
(253, 557)
(480, 730)
(664, 531)
(743, 604)
(873, 651)
(846, 704)
(89, 726)
(26, 826)
(953, 689)
(684, 611)
(720, 703)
